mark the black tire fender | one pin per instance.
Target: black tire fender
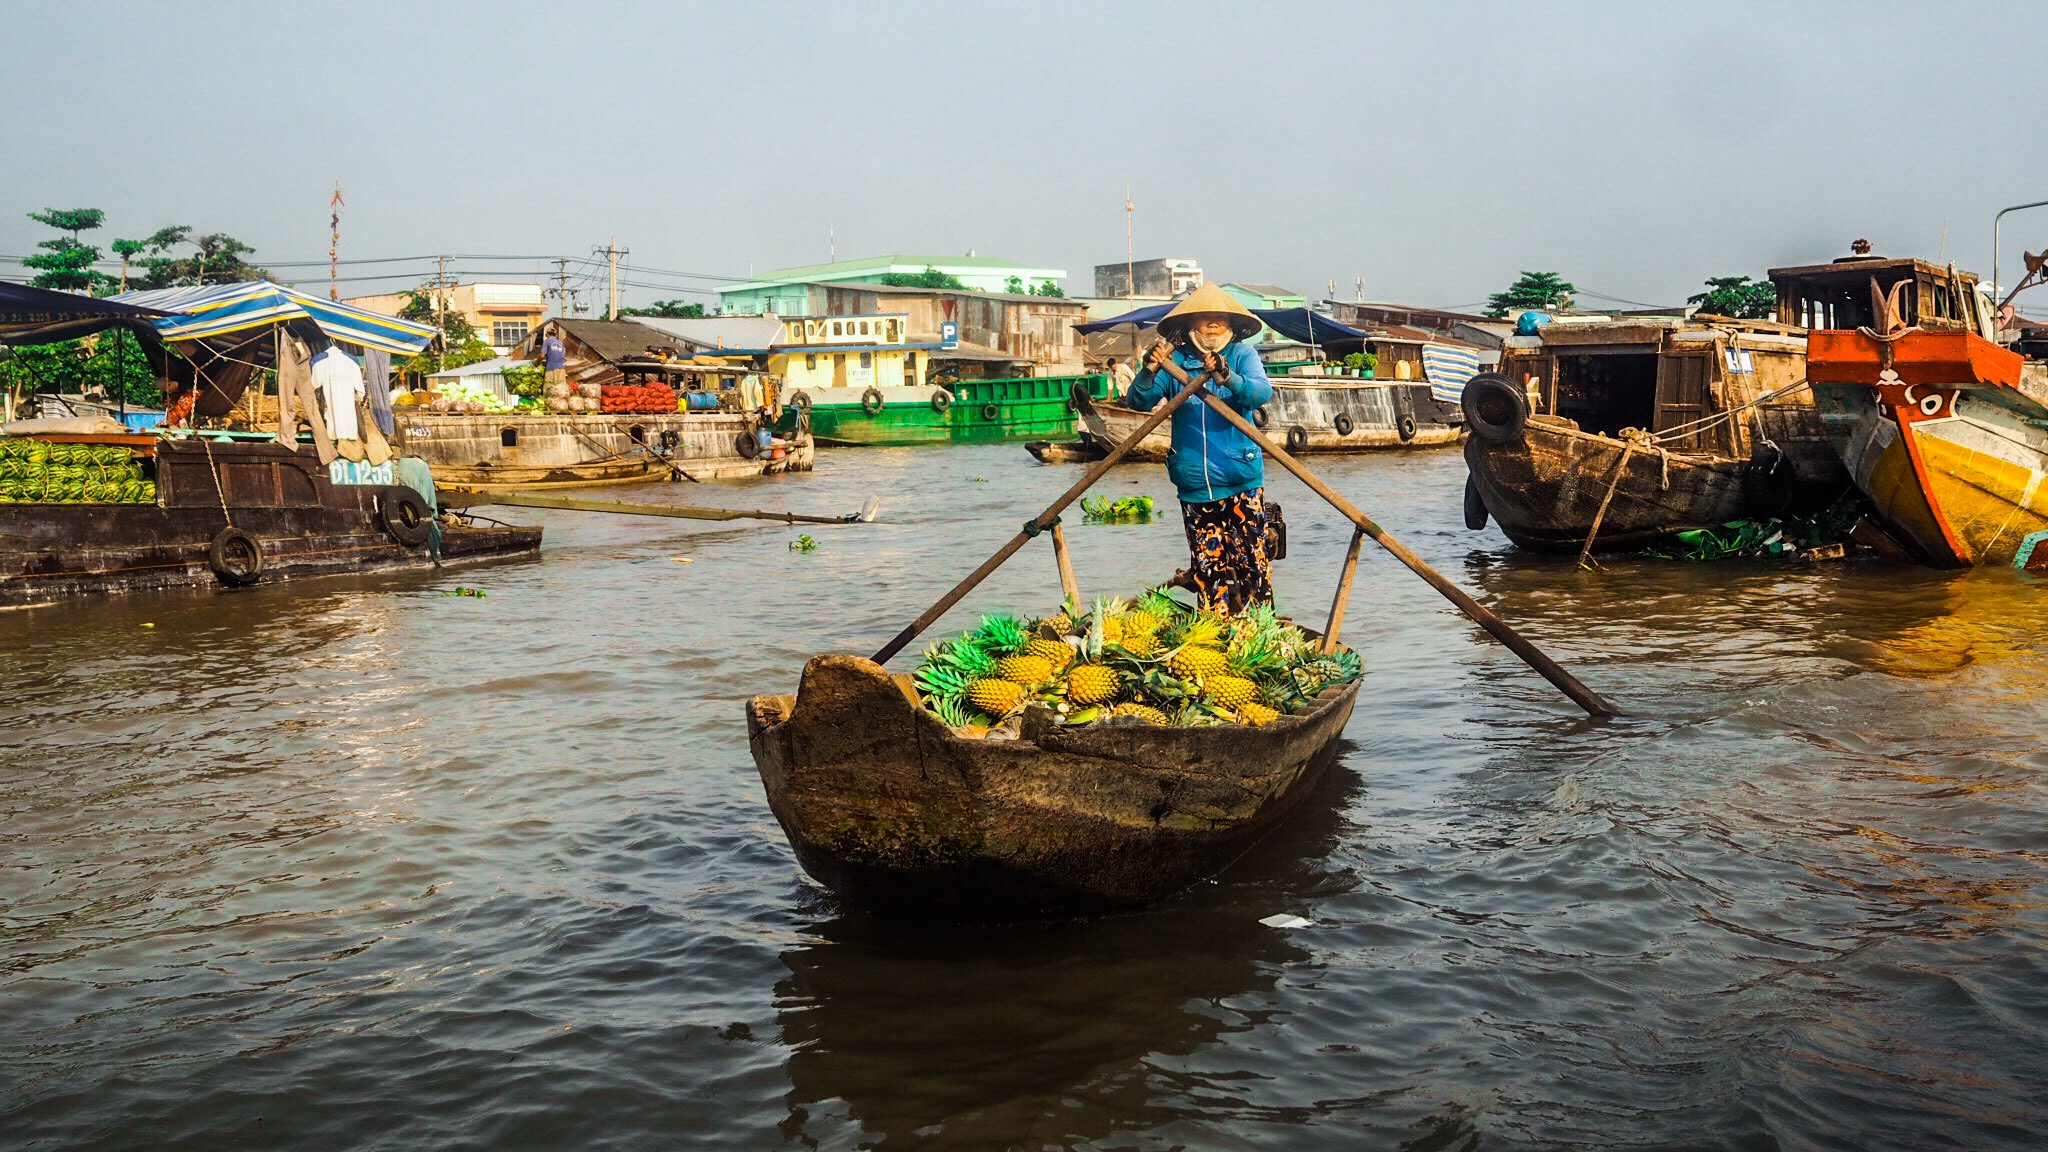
(991, 413)
(1261, 418)
(406, 516)
(1475, 508)
(1495, 407)
(1406, 427)
(1297, 439)
(871, 401)
(941, 400)
(1342, 423)
(235, 557)
(747, 445)
(800, 399)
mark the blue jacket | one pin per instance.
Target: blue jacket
(1211, 459)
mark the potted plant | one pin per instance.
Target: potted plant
(1333, 368)
(1362, 364)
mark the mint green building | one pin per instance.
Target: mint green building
(785, 291)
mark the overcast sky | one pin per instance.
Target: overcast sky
(1431, 149)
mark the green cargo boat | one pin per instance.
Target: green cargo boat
(970, 412)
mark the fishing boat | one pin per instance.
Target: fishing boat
(1945, 431)
(1408, 399)
(886, 805)
(1623, 433)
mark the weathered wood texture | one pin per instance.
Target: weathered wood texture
(893, 810)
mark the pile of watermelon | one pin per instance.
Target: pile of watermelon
(43, 472)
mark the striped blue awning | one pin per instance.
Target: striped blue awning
(226, 310)
(1449, 369)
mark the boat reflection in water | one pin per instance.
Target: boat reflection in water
(1032, 1036)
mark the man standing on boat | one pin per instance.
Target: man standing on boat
(1219, 472)
(555, 358)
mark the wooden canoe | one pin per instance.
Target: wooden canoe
(896, 812)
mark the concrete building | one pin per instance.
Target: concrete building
(1166, 277)
(1001, 330)
(502, 314)
(785, 291)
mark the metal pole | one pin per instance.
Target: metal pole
(1998, 286)
(612, 254)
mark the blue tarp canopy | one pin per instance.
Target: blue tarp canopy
(1293, 323)
(226, 315)
(39, 316)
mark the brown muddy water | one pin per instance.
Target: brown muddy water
(361, 864)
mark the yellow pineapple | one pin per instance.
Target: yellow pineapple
(998, 698)
(1138, 622)
(1194, 662)
(1143, 645)
(1024, 669)
(1112, 630)
(1093, 684)
(1231, 692)
(1053, 652)
(1256, 714)
(1148, 715)
(1059, 624)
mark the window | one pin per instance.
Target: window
(508, 437)
(892, 331)
(835, 328)
(811, 361)
(910, 360)
(863, 327)
(867, 359)
(505, 333)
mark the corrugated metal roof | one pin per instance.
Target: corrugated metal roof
(716, 332)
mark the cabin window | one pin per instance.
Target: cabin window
(508, 437)
(1607, 392)
(811, 361)
(892, 331)
(863, 327)
(835, 329)
(637, 434)
(867, 359)
(910, 361)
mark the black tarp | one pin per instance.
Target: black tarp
(39, 316)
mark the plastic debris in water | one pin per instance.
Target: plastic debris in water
(464, 592)
(1286, 920)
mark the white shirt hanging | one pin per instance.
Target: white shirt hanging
(340, 381)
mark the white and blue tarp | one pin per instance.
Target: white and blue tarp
(232, 314)
(1449, 368)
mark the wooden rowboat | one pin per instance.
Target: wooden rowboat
(896, 812)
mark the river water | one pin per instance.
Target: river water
(363, 864)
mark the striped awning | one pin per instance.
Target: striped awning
(211, 311)
(1449, 369)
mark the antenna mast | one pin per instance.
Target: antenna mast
(334, 207)
(1130, 264)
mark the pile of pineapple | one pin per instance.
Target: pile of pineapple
(1158, 660)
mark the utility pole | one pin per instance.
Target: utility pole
(561, 292)
(334, 207)
(1130, 260)
(612, 254)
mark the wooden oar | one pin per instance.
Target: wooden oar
(1565, 682)
(1042, 521)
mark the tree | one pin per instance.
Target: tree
(1048, 288)
(667, 309)
(128, 250)
(1738, 298)
(1014, 285)
(929, 278)
(217, 259)
(110, 364)
(68, 265)
(1538, 290)
(460, 342)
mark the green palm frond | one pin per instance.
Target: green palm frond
(1001, 635)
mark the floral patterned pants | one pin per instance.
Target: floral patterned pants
(1227, 547)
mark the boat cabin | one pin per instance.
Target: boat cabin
(1838, 294)
(1667, 376)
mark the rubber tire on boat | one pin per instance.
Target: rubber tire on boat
(871, 401)
(1297, 439)
(1475, 508)
(1261, 418)
(1342, 423)
(1496, 409)
(991, 413)
(405, 515)
(1077, 396)
(746, 445)
(1406, 427)
(235, 571)
(800, 399)
(941, 400)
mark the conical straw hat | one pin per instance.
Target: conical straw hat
(1209, 299)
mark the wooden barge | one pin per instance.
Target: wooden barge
(1626, 432)
(234, 513)
(507, 450)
